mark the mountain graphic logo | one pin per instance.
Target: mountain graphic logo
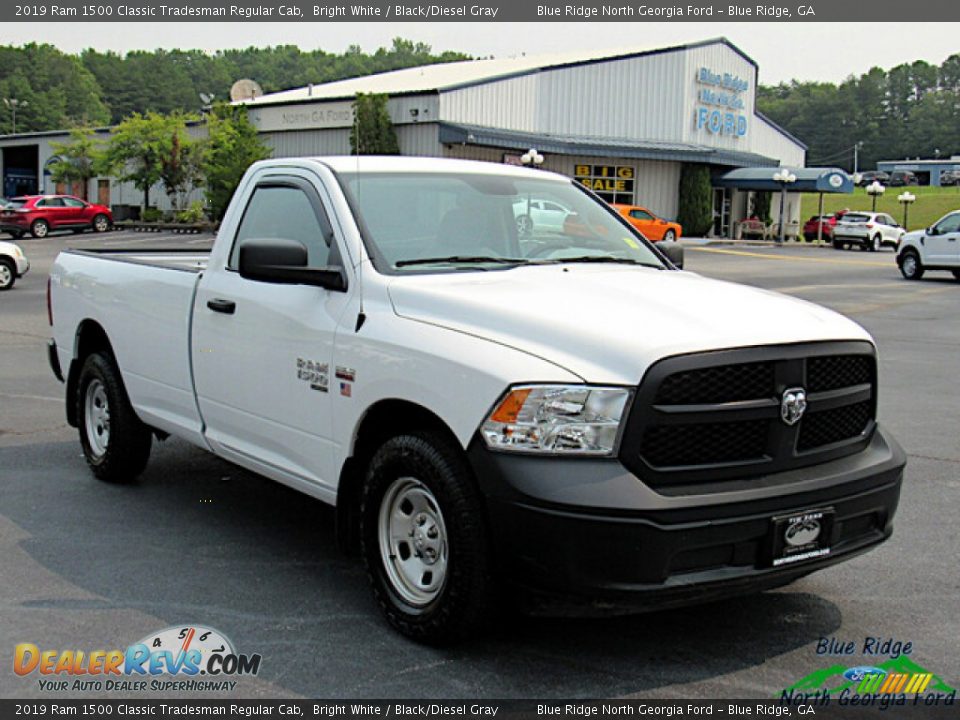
(894, 676)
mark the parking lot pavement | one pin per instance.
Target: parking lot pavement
(85, 564)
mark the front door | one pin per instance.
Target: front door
(942, 244)
(263, 352)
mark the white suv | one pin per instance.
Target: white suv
(870, 230)
(935, 248)
(13, 264)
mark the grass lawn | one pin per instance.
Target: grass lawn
(932, 203)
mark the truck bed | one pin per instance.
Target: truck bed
(186, 259)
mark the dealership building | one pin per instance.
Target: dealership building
(622, 123)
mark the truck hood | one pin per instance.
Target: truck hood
(608, 324)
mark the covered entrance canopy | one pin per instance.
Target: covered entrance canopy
(814, 180)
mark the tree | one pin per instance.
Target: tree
(760, 206)
(137, 150)
(695, 202)
(232, 145)
(372, 132)
(180, 163)
(78, 159)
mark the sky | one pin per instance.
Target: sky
(784, 51)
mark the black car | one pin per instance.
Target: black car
(870, 175)
(902, 178)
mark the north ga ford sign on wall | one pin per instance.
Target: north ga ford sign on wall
(719, 109)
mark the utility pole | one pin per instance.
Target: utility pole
(856, 156)
(13, 104)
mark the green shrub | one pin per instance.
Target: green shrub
(152, 214)
(192, 215)
(695, 203)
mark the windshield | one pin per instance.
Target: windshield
(856, 218)
(435, 222)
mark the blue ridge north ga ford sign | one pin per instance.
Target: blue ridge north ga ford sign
(719, 108)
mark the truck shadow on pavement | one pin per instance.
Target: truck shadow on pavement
(197, 540)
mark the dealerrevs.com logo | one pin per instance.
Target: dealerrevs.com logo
(180, 658)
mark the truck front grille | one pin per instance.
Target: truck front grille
(708, 417)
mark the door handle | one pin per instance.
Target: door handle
(227, 307)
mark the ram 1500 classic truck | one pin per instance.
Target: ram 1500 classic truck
(560, 411)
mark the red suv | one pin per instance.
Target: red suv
(39, 214)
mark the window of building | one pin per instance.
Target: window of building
(613, 183)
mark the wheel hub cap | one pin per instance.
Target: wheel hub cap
(97, 418)
(413, 541)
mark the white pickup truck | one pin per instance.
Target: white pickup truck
(561, 412)
(934, 248)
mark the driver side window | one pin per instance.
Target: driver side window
(641, 215)
(285, 213)
(949, 224)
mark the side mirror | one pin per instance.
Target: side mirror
(673, 251)
(932, 231)
(285, 262)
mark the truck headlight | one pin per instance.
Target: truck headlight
(557, 419)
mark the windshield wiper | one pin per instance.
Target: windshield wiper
(466, 259)
(607, 259)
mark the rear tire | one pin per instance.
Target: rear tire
(116, 444)
(956, 274)
(424, 540)
(875, 244)
(40, 229)
(8, 274)
(910, 266)
(16, 234)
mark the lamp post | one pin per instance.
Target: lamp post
(905, 198)
(13, 104)
(785, 178)
(875, 190)
(531, 158)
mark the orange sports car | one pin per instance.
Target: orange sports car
(652, 227)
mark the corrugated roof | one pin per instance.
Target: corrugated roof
(446, 76)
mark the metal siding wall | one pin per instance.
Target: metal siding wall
(635, 98)
(769, 141)
(421, 139)
(508, 103)
(307, 143)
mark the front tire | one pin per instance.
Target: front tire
(669, 236)
(40, 229)
(524, 224)
(116, 444)
(424, 539)
(910, 266)
(8, 274)
(100, 223)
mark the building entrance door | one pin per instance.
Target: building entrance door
(721, 212)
